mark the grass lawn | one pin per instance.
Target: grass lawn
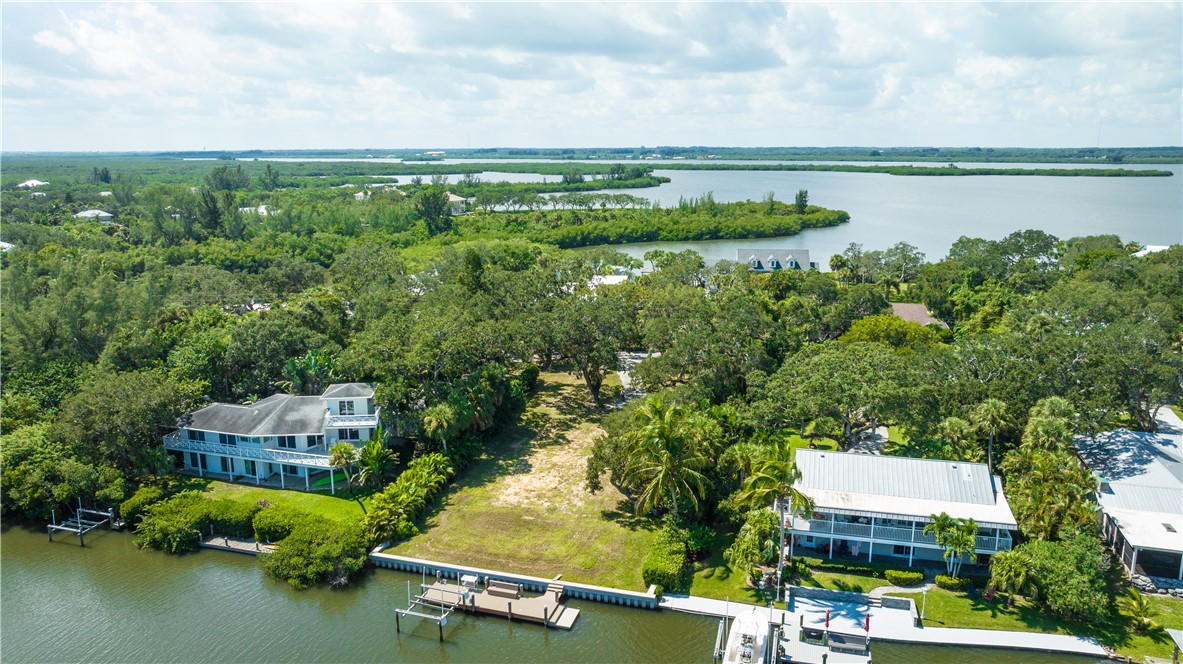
(849, 582)
(949, 609)
(714, 578)
(342, 507)
(523, 506)
(1178, 411)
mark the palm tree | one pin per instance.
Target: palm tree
(942, 524)
(771, 484)
(376, 461)
(959, 434)
(1138, 609)
(665, 458)
(989, 417)
(438, 422)
(960, 542)
(341, 457)
(310, 373)
(1010, 572)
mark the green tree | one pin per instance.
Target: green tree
(1069, 577)
(431, 204)
(440, 422)
(801, 201)
(665, 458)
(310, 373)
(1010, 572)
(989, 417)
(771, 485)
(376, 460)
(591, 330)
(342, 456)
(1140, 611)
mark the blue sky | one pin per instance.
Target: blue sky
(131, 76)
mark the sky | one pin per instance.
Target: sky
(237, 76)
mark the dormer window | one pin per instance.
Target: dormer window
(345, 407)
(754, 263)
(773, 264)
(794, 264)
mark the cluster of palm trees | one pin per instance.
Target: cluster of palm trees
(957, 537)
(309, 374)
(393, 510)
(370, 465)
(671, 448)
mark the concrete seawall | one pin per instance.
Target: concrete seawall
(645, 600)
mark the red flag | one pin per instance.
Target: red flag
(827, 619)
(868, 627)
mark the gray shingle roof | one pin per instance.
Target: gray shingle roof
(348, 391)
(277, 415)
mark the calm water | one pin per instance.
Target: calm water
(110, 602)
(932, 212)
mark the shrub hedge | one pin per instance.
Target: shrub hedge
(665, 564)
(230, 517)
(272, 524)
(318, 551)
(903, 578)
(133, 509)
(950, 583)
(174, 525)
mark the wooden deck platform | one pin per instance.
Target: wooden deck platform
(546, 609)
(235, 544)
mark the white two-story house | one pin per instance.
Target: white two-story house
(877, 506)
(281, 436)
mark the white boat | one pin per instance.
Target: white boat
(746, 641)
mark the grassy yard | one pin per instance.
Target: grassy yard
(848, 582)
(342, 507)
(949, 609)
(523, 507)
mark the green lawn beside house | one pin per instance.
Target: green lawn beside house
(342, 507)
(949, 609)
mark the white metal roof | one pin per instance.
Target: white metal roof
(29, 184)
(94, 214)
(901, 486)
(1142, 481)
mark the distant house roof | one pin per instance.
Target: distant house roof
(348, 391)
(106, 193)
(29, 184)
(261, 210)
(916, 313)
(1151, 249)
(95, 214)
(1141, 481)
(5, 246)
(453, 198)
(873, 485)
(763, 259)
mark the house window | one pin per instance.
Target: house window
(196, 435)
(193, 460)
(227, 439)
(349, 434)
(250, 467)
(287, 441)
(226, 464)
(316, 440)
(290, 470)
(345, 407)
(899, 550)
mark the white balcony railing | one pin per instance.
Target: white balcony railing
(338, 421)
(174, 441)
(882, 533)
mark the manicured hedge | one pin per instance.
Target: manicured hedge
(133, 509)
(950, 583)
(902, 578)
(665, 564)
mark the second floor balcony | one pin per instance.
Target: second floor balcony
(351, 421)
(174, 441)
(987, 540)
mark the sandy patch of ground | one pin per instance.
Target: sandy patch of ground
(554, 480)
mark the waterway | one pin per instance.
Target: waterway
(111, 602)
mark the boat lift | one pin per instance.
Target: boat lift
(421, 607)
(83, 521)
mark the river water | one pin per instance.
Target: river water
(110, 602)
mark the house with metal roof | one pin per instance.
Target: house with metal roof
(872, 505)
(97, 215)
(283, 436)
(771, 260)
(1141, 494)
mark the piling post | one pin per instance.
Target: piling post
(509, 606)
(545, 617)
(440, 623)
(398, 628)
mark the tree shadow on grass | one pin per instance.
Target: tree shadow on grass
(1113, 631)
(624, 515)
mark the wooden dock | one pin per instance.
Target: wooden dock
(235, 545)
(504, 600)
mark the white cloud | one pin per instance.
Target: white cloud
(266, 75)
